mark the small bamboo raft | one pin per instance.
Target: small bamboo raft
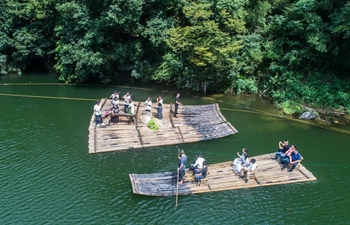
(193, 123)
(221, 177)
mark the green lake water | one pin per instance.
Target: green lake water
(48, 177)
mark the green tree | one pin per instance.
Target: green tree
(26, 32)
(205, 50)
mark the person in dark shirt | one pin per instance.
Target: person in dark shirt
(182, 166)
(202, 174)
(159, 109)
(177, 103)
(282, 148)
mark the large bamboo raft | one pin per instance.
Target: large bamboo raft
(193, 123)
(221, 177)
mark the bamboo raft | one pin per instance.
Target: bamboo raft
(193, 123)
(221, 177)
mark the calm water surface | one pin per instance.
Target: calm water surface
(48, 177)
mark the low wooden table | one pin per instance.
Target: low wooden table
(130, 117)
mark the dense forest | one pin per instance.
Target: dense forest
(293, 51)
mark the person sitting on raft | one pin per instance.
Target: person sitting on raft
(294, 159)
(245, 172)
(287, 154)
(241, 162)
(282, 148)
(115, 107)
(113, 113)
(202, 174)
(198, 164)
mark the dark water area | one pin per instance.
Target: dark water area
(48, 177)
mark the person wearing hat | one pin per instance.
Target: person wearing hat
(182, 166)
(202, 174)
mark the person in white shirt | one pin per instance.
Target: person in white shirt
(148, 104)
(197, 166)
(115, 94)
(115, 103)
(98, 114)
(131, 107)
(131, 111)
(241, 162)
(247, 170)
(160, 100)
(126, 102)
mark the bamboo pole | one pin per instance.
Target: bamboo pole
(171, 120)
(177, 182)
(140, 138)
(137, 115)
(94, 140)
(182, 137)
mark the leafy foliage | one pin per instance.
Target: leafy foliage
(294, 51)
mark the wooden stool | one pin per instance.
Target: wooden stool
(297, 167)
(204, 181)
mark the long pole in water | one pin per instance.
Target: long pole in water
(177, 182)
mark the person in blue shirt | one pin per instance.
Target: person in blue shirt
(293, 159)
(182, 166)
(159, 109)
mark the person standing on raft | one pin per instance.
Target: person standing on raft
(98, 114)
(182, 166)
(177, 103)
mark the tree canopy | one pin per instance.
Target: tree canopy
(289, 50)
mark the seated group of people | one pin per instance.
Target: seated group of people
(288, 155)
(243, 166)
(199, 168)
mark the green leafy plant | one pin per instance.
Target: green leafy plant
(290, 107)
